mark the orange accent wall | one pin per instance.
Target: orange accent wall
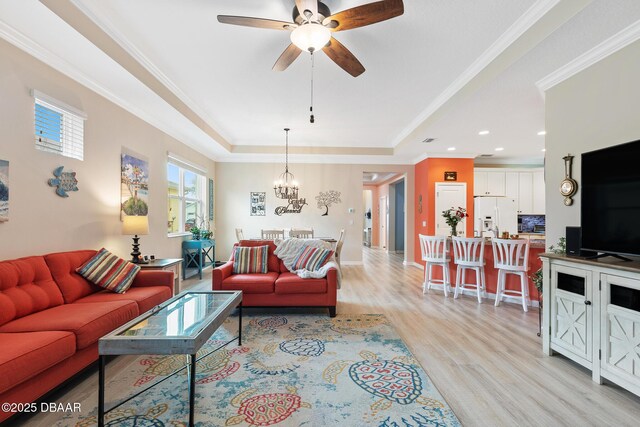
(375, 214)
(427, 173)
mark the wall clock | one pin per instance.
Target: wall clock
(568, 186)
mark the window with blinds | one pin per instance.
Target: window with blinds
(58, 128)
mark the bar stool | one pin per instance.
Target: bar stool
(511, 256)
(435, 252)
(468, 254)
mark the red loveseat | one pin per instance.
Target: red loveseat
(51, 319)
(278, 287)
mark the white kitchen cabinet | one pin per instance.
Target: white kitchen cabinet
(526, 186)
(591, 314)
(538, 193)
(511, 185)
(479, 183)
(488, 183)
(525, 193)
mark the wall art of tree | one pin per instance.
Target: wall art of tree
(327, 198)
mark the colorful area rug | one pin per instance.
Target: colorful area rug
(298, 370)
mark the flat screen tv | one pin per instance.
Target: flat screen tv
(610, 202)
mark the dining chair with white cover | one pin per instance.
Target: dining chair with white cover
(301, 233)
(272, 234)
(239, 234)
(339, 244)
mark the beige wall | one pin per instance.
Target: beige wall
(596, 108)
(42, 222)
(236, 180)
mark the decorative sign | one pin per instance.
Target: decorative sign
(451, 176)
(326, 199)
(4, 190)
(65, 181)
(134, 178)
(210, 199)
(258, 204)
(420, 203)
(294, 206)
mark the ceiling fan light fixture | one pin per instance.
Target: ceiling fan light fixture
(311, 36)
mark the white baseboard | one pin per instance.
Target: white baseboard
(412, 264)
(351, 263)
(491, 296)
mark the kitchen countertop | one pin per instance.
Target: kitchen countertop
(533, 243)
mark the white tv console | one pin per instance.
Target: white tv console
(591, 314)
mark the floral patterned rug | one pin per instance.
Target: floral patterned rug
(294, 370)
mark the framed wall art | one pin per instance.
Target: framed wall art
(210, 199)
(134, 188)
(450, 176)
(258, 204)
(4, 190)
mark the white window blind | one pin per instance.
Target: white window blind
(58, 128)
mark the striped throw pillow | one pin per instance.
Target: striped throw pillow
(311, 258)
(109, 271)
(250, 259)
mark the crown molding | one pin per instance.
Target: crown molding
(110, 29)
(54, 61)
(447, 155)
(610, 46)
(517, 29)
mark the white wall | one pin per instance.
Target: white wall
(41, 222)
(597, 108)
(235, 181)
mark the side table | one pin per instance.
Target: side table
(169, 264)
(196, 255)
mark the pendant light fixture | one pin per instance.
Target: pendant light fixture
(285, 187)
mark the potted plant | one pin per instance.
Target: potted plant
(195, 233)
(453, 216)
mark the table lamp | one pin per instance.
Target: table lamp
(135, 225)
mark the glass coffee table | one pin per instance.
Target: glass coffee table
(180, 325)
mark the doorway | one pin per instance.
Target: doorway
(398, 217)
(450, 195)
(384, 220)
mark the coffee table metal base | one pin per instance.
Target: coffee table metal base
(191, 375)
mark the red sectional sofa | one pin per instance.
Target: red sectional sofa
(51, 319)
(278, 287)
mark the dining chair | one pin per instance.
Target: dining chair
(511, 256)
(272, 234)
(239, 234)
(339, 244)
(435, 252)
(468, 254)
(301, 233)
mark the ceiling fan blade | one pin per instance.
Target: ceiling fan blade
(288, 56)
(345, 59)
(366, 14)
(310, 5)
(246, 21)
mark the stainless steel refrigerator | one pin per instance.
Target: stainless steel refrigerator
(494, 215)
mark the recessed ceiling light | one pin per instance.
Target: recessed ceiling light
(483, 132)
(451, 149)
(499, 149)
(542, 133)
(544, 149)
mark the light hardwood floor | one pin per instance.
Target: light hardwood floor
(486, 361)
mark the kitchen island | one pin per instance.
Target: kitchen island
(536, 247)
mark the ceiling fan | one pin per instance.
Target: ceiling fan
(313, 24)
